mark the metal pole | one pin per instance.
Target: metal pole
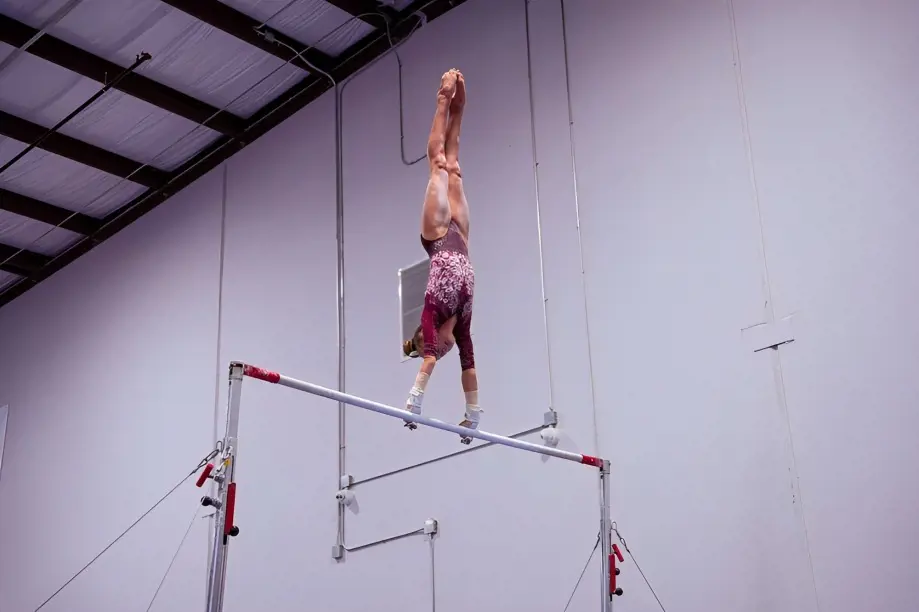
(542, 266)
(340, 304)
(606, 548)
(225, 483)
(405, 415)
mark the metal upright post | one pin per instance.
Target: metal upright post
(606, 544)
(225, 501)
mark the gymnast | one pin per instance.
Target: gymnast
(447, 313)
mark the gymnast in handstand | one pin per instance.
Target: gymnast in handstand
(447, 313)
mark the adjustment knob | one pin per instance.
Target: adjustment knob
(210, 501)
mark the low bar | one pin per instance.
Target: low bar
(405, 415)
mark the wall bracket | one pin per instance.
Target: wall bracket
(764, 336)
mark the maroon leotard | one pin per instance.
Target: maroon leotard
(451, 284)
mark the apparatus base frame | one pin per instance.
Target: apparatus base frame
(224, 500)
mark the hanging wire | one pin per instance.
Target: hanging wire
(176, 555)
(631, 556)
(578, 583)
(393, 47)
(638, 567)
(401, 105)
(200, 465)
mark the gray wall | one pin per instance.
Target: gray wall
(742, 170)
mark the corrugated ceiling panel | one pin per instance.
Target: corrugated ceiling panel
(45, 93)
(188, 55)
(7, 279)
(32, 12)
(25, 233)
(312, 22)
(58, 180)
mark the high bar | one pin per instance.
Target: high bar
(286, 381)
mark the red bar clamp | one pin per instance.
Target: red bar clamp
(204, 474)
(614, 571)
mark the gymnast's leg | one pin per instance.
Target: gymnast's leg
(463, 334)
(459, 208)
(435, 219)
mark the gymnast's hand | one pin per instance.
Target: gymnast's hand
(413, 403)
(416, 395)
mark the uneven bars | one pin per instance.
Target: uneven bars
(286, 381)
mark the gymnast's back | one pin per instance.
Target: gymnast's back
(452, 241)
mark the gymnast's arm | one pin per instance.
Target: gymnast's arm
(428, 342)
(463, 335)
(466, 349)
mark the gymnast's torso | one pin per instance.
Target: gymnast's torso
(452, 241)
(451, 285)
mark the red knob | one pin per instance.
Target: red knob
(204, 474)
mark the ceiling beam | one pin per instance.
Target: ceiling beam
(359, 55)
(27, 132)
(100, 70)
(238, 24)
(37, 210)
(21, 262)
(364, 10)
(356, 57)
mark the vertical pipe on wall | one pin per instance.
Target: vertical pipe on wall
(433, 579)
(542, 272)
(577, 212)
(340, 241)
(339, 92)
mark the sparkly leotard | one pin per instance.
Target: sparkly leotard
(451, 284)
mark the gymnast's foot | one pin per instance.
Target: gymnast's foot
(447, 85)
(459, 97)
